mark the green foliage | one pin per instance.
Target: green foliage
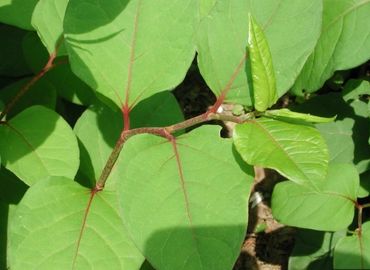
(188, 194)
(353, 251)
(263, 76)
(296, 151)
(100, 169)
(344, 30)
(49, 236)
(307, 207)
(38, 143)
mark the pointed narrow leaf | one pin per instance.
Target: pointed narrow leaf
(353, 252)
(344, 43)
(45, 230)
(184, 203)
(296, 151)
(263, 74)
(307, 207)
(47, 19)
(38, 143)
(129, 50)
(286, 114)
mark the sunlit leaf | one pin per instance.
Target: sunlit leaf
(263, 75)
(307, 207)
(186, 207)
(296, 151)
(38, 143)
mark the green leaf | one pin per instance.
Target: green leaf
(184, 202)
(45, 231)
(12, 62)
(296, 151)
(286, 114)
(129, 50)
(352, 133)
(38, 143)
(263, 75)
(17, 12)
(338, 137)
(353, 89)
(307, 207)
(222, 41)
(41, 93)
(343, 44)
(313, 250)
(353, 252)
(99, 128)
(47, 19)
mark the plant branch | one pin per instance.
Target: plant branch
(165, 132)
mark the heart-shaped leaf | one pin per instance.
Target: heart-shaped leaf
(129, 50)
(296, 151)
(60, 225)
(307, 207)
(184, 201)
(38, 143)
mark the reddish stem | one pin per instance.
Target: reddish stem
(165, 132)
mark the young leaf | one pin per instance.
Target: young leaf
(286, 114)
(46, 227)
(306, 207)
(38, 143)
(296, 151)
(47, 19)
(343, 44)
(263, 75)
(129, 50)
(184, 202)
(17, 13)
(353, 252)
(222, 41)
